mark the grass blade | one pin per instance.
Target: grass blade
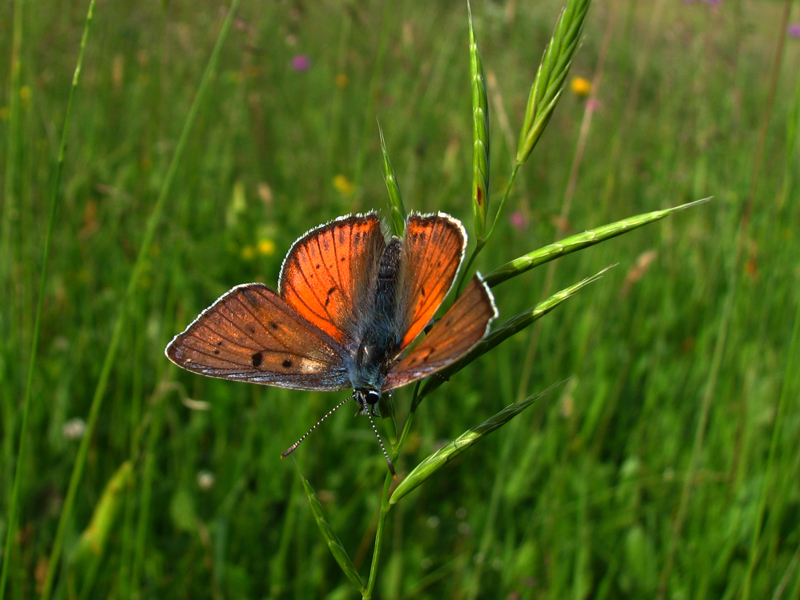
(12, 513)
(94, 537)
(767, 489)
(506, 330)
(480, 135)
(579, 242)
(397, 211)
(549, 81)
(335, 546)
(10, 201)
(444, 455)
(141, 259)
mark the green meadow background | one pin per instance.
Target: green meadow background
(666, 466)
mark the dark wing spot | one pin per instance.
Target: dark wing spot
(274, 325)
(331, 292)
(250, 328)
(422, 292)
(258, 358)
(219, 343)
(318, 266)
(287, 364)
(342, 259)
(216, 351)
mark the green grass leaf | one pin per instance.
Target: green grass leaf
(444, 455)
(397, 210)
(335, 546)
(549, 81)
(94, 537)
(480, 135)
(130, 295)
(506, 330)
(579, 242)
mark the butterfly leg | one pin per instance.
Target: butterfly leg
(383, 448)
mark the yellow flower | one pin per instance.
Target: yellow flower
(341, 80)
(580, 86)
(248, 253)
(343, 185)
(266, 247)
(25, 96)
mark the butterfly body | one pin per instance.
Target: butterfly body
(348, 307)
(379, 342)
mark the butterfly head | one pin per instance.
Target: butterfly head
(367, 400)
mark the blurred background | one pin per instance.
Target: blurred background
(665, 467)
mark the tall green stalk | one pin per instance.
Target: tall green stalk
(54, 198)
(12, 157)
(379, 535)
(788, 378)
(133, 282)
(7, 208)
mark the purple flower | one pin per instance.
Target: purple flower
(518, 220)
(301, 62)
(794, 30)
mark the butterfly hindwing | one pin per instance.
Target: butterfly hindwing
(329, 274)
(433, 249)
(456, 333)
(251, 334)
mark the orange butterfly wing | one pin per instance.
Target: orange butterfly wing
(251, 334)
(432, 252)
(456, 333)
(329, 274)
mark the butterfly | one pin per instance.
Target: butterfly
(349, 305)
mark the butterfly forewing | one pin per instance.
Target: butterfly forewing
(456, 333)
(329, 274)
(432, 252)
(251, 334)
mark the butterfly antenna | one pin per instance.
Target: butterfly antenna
(294, 446)
(380, 441)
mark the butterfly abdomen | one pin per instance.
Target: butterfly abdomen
(379, 341)
(386, 288)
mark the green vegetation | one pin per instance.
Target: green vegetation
(665, 466)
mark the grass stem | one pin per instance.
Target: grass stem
(379, 535)
(133, 282)
(54, 201)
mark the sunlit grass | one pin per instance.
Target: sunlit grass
(580, 496)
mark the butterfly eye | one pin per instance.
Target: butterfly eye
(367, 399)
